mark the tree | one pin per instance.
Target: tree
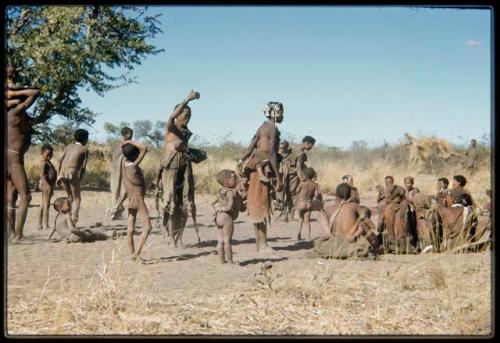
(115, 130)
(60, 134)
(64, 49)
(155, 134)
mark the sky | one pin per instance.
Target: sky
(342, 73)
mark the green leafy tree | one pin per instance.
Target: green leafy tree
(65, 49)
(114, 131)
(152, 133)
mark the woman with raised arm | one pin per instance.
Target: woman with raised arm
(177, 172)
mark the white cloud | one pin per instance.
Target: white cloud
(472, 43)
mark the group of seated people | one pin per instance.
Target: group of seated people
(409, 221)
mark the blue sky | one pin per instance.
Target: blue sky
(342, 73)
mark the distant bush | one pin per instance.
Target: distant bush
(367, 164)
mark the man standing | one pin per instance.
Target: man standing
(19, 131)
(472, 156)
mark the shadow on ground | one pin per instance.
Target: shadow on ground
(259, 260)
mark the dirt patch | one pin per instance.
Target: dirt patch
(95, 288)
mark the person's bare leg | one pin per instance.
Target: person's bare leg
(164, 226)
(227, 232)
(171, 231)
(132, 215)
(301, 222)
(256, 231)
(307, 221)
(76, 190)
(20, 181)
(46, 195)
(40, 216)
(67, 188)
(220, 243)
(262, 238)
(11, 208)
(146, 228)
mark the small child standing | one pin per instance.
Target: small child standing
(135, 186)
(230, 203)
(309, 199)
(48, 177)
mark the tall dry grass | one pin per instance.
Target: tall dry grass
(368, 166)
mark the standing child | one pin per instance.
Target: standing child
(72, 168)
(309, 199)
(135, 186)
(48, 177)
(230, 204)
(118, 193)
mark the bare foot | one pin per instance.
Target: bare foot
(39, 227)
(266, 249)
(299, 238)
(138, 258)
(17, 239)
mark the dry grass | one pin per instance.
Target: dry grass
(422, 295)
(368, 168)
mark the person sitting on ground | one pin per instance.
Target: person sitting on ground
(411, 190)
(393, 194)
(230, 204)
(442, 191)
(135, 187)
(343, 226)
(309, 199)
(64, 226)
(460, 193)
(72, 168)
(48, 177)
(354, 191)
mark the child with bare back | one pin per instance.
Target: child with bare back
(230, 203)
(48, 177)
(262, 151)
(72, 168)
(135, 186)
(64, 226)
(309, 199)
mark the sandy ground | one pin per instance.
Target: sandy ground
(95, 288)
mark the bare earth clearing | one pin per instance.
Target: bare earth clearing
(95, 288)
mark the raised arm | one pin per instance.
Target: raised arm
(191, 96)
(31, 96)
(142, 151)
